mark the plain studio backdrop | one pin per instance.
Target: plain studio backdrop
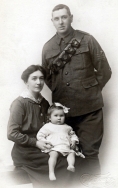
(24, 28)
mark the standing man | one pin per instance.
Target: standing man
(77, 70)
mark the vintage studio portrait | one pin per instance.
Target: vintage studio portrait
(59, 94)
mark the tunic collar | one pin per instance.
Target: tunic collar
(66, 38)
(27, 94)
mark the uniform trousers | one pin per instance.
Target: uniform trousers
(89, 129)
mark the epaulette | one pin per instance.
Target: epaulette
(83, 32)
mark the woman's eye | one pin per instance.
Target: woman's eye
(33, 78)
(41, 78)
(56, 19)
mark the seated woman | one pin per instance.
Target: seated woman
(27, 116)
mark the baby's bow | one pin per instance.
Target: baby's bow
(65, 109)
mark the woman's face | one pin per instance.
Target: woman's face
(35, 82)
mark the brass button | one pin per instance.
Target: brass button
(41, 114)
(67, 84)
(66, 73)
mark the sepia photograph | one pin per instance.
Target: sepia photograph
(59, 94)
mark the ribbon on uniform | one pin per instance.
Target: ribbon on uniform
(65, 56)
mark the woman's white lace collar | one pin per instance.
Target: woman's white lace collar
(27, 94)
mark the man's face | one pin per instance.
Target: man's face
(62, 21)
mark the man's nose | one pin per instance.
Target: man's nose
(60, 21)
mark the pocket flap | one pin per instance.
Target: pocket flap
(82, 49)
(52, 53)
(90, 83)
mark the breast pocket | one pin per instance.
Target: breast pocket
(89, 83)
(81, 58)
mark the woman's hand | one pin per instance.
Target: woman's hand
(43, 145)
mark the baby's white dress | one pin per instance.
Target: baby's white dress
(60, 137)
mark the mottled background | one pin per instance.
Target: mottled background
(25, 25)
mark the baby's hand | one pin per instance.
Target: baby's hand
(73, 143)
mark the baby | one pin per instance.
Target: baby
(62, 138)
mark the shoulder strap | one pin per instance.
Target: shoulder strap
(65, 56)
(79, 35)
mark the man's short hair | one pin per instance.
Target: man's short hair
(61, 6)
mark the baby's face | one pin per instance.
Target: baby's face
(57, 117)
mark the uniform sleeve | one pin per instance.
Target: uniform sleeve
(45, 65)
(73, 136)
(17, 113)
(99, 61)
(42, 134)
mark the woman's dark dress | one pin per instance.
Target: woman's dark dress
(26, 118)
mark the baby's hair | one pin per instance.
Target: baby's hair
(52, 108)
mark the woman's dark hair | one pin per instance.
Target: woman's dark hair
(61, 6)
(30, 70)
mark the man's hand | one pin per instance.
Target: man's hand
(43, 145)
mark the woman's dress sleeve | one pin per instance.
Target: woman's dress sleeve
(14, 133)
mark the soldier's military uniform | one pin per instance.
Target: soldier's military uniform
(78, 86)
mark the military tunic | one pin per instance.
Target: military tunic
(79, 83)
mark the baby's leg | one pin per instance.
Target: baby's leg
(52, 162)
(71, 162)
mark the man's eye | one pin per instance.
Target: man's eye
(64, 17)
